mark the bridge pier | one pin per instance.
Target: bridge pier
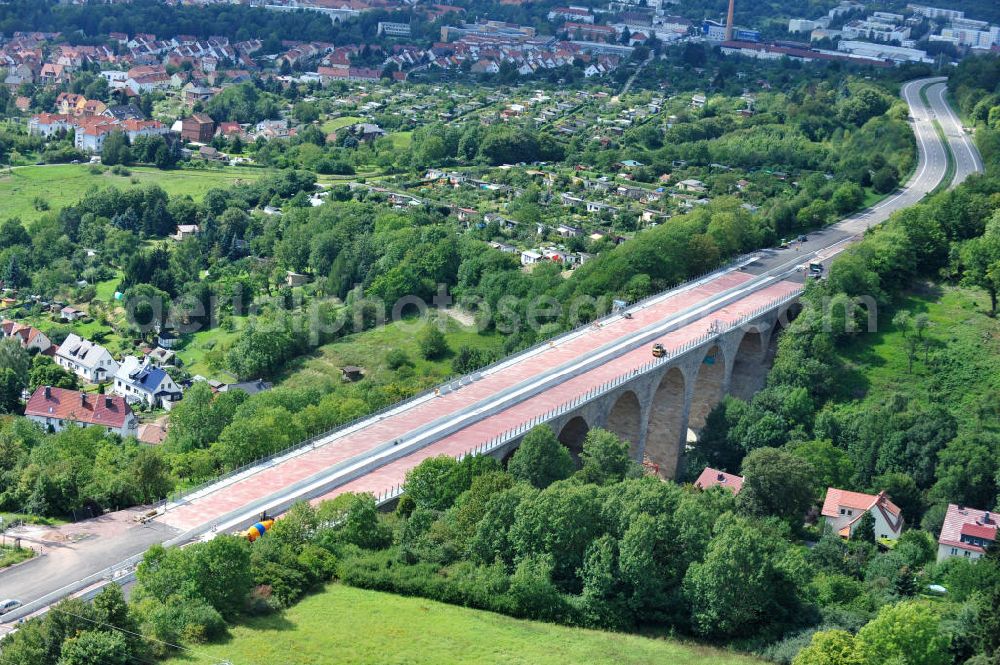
(654, 411)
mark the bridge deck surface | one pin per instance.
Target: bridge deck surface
(210, 507)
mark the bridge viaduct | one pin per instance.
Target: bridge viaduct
(658, 407)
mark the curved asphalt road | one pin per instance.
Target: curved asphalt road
(51, 573)
(932, 166)
(967, 158)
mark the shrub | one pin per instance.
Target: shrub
(433, 344)
(398, 358)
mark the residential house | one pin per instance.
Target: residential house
(123, 112)
(967, 532)
(28, 337)
(714, 478)
(149, 82)
(18, 76)
(692, 185)
(194, 94)
(90, 361)
(53, 74)
(68, 103)
(160, 356)
(47, 124)
(116, 79)
(185, 231)
(211, 154)
(58, 408)
(843, 511)
(367, 132)
(199, 128)
(229, 129)
(143, 382)
(152, 433)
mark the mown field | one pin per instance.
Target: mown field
(64, 184)
(350, 626)
(333, 124)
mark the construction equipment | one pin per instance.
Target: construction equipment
(257, 530)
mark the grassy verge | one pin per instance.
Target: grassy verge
(10, 555)
(10, 518)
(350, 626)
(949, 172)
(64, 184)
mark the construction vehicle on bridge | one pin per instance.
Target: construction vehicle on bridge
(659, 351)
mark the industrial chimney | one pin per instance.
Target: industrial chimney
(729, 21)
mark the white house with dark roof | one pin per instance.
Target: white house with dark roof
(843, 511)
(139, 381)
(967, 532)
(88, 360)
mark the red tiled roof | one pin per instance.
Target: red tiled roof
(133, 125)
(714, 478)
(835, 498)
(25, 332)
(79, 407)
(986, 532)
(974, 522)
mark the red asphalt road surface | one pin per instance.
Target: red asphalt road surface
(213, 506)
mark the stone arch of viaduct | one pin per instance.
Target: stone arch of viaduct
(654, 411)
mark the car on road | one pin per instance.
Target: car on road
(784, 244)
(659, 351)
(803, 238)
(9, 605)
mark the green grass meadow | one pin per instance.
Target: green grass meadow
(369, 349)
(350, 626)
(65, 184)
(333, 124)
(962, 335)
